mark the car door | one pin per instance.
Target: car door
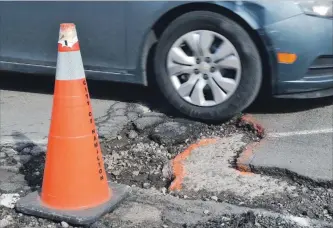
(29, 32)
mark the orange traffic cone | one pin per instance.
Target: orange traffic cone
(75, 187)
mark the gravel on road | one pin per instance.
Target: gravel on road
(140, 156)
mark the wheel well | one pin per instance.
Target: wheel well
(162, 23)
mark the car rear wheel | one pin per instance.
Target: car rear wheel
(207, 66)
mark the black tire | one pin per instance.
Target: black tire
(251, 76)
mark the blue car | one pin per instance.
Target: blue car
(209, 59)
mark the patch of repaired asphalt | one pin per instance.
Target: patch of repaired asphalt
(211, 177)
(208, 169)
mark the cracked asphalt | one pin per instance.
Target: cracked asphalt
(142, 138)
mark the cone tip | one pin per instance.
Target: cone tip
(68, 40)
(67, 31)
(67, 26)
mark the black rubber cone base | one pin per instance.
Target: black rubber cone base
(31, 205)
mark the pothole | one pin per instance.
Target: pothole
(142, 158)
(144, 163)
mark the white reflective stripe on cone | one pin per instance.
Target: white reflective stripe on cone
(69, 66)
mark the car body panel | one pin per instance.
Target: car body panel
(140, 24)
(115, 37)
(31, 30)
(311, 37)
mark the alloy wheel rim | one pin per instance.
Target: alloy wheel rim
(204, 67)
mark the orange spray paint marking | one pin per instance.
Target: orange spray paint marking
(249, 119)
(245, 173)
(245, 158)
(178, 163)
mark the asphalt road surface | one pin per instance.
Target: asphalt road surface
(299, 138)
(298, 145)
(26, 104)
(299, 132)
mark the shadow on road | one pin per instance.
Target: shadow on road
(105, 90)
(147, 96)
(98, 89)
(280, 106)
